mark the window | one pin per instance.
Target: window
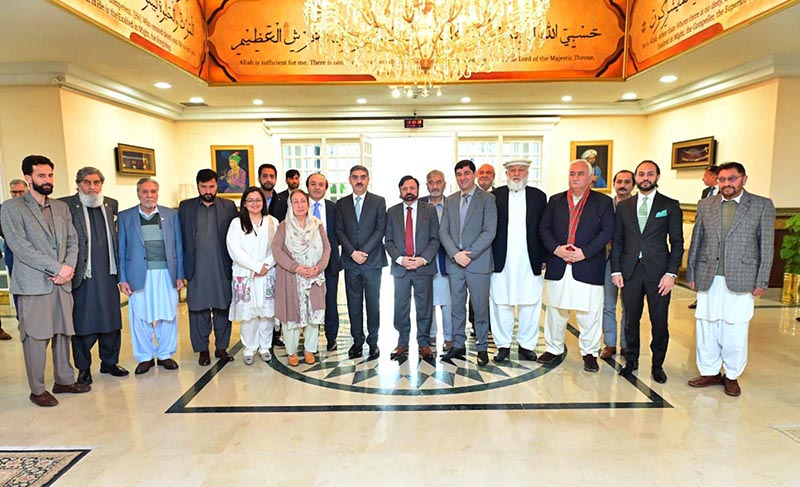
(331, 157)
(499, 149)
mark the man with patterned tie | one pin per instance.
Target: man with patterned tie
(441, 285)
(642, 264)
(360, 224)
(412, 242)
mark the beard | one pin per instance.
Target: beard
(517, 186)
(267, 186)
(91, 200)
(641, 186)
(45, 189)
(208, 197)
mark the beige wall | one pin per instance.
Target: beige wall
(783, 187)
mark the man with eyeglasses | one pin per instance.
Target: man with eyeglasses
(17, 188)
(730, 259)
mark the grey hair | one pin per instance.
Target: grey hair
(88, 171)
(584, 161)
(140, 182)
(434, 173)
(17, 181)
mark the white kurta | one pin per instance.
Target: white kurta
(253, 297)
(587, 300)
(569, 293)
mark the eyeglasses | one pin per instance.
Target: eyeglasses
(730, 179)
(251, 201)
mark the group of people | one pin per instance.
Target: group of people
(274, 264)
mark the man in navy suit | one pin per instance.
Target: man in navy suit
(325, 210)
(643, 266)
(576, 226)
(360, 224)
(151, 274)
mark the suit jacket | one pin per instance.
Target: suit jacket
(665, 222)
(705, 192)
(480, 228)
(535, 203)
(595, 229)
(365, 235)
(79, 222)
(38, 253)
(441, 256)
(132, 254)
(748, 245)
(187, 214)
(426, 237)
(278, 205)
(335, 262)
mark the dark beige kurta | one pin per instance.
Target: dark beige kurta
(287, 305)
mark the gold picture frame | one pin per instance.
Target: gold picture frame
(599, 153)
(235, 168)
(700, 152)
(135, 161)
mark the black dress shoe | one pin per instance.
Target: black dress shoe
(355, 351)
(483, 358)
(501, 355)
(590, 363)
(374, 352)
(144, 367)
(84, 377)
(223, 355)
(277, 342)
(168, 364)
(659, 375)
(114, 370)
(332, 346)
(525, 354)
(459, 353)
(546, 358)
(629, 368)
(204, 358)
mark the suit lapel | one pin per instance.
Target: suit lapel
(716, 215)
(81, 226)
(36, 210)
(471, 209)
(741, 211)
(655, 207)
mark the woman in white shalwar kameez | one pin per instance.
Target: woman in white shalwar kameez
(253, 301)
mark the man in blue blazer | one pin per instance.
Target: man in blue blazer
(151, 274)
(325, 210)
(575, 228)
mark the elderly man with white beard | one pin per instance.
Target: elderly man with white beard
(96, 312)
(517, 278)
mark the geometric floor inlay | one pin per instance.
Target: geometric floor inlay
(35, 468)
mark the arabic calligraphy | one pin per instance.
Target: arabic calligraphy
(276, 36)
(659, 17)
(174, 15)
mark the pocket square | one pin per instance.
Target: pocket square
(661, 213)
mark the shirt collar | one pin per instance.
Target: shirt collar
(738, 199)
(139, 207)
(413, 206)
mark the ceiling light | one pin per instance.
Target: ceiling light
(361, 101)
(196, 100)
(629, 96)
(566, 98)
(466, 99)
(396, 93)
(439, 91)
(668, 78)
(162, 85)
(258, 101)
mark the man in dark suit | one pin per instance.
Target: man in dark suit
(95, 313)
(207, 264)
(642, 264)
(729, 264)
(360, 225)
(710, 180)
(412, 242)
(325, 210)
(277, 204)
(469, 225)
(575, 228)
(517, 278)
(292, 183)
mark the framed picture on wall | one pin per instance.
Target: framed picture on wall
(598, 153)
(694, 153)
(136, 161)
(235, 168)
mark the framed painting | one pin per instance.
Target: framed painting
(598, 153)
(694, 153)
(235, 168)
(135, 161)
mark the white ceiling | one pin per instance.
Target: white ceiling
(40, 41)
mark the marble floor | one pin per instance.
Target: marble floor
(344, 422)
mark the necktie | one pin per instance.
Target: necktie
(643, 213)
(711, 191)
(358, 208)
(409, 233)
(316, 210)
(463, 213)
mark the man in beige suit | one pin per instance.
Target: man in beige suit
(39, 231)
(729, 263)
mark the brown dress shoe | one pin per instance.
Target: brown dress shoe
(73, 388)
(44, 400)
(6, 336)
(732, 387)
(144, 367)
(223, 355)
(608, 352)
(168, 364)
(398, 352)
(706, 380)
(425, 352)
(204, 359)
(310, 359)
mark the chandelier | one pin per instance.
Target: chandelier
(426, 42)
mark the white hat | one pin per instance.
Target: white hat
(517, 162)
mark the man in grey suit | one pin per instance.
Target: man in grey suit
(729, 264)
(412, 242)
(40, 233)
(151, 274)
(468, 227)
(360, 224)
(96, 313)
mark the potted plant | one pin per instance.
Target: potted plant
(790, 252)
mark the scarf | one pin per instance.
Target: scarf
(575, 210)
(97, 202)
(305, 245)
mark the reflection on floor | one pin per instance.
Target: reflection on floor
(343, 422)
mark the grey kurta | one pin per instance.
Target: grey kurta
(209, 287)
(97, 298)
